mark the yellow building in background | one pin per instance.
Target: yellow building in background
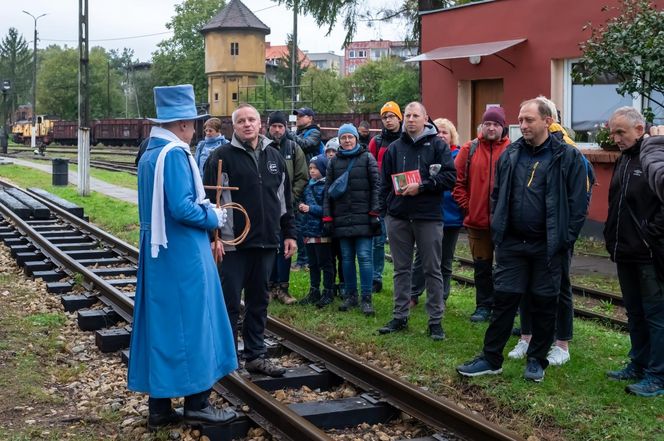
(234, 55)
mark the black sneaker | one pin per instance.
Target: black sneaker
(436, 332)
(394, 325)
(349, 302)
(312, 298)
(366, 307)
(480, 315)
(326, 298)
(476, 367)
(264, 366)
(534, 371)
(629, 372)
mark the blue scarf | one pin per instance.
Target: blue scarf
(209, 142)
(352, 152)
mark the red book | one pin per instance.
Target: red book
(401, 180)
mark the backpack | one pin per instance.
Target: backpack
(473, 147)
(321, 147)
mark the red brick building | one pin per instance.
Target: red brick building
(358, 53)
(506, 51)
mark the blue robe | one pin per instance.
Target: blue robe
(181, 340)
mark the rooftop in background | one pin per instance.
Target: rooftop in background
(358, 53)
(235, 16)
(274, 55)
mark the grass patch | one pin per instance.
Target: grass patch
(117, 217)
(590, 246)
(574, 402)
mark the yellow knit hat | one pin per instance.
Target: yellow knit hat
(393, 107)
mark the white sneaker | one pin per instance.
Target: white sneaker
(519, 350)
(557, 356)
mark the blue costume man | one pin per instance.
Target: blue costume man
(182, 342)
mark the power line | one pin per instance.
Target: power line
(111, 39)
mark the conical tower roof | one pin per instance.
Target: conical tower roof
(235, 16)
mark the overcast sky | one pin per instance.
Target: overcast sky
(113, 22)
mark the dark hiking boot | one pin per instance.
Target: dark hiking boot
(366, 307)
(312, 298)
(326, 298)
(648, 387)
(264, 366)
(629, 372)
(480, 315)
(436, 332)
(394, 325)
(349, 302)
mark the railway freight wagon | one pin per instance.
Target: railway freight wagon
(110, 132)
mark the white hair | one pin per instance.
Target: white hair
(631, 114)
(243, 106)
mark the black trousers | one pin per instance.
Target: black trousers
(321, 259)
(162, 406)
(248, 270)
(524, 269)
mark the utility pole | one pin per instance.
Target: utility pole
(83, 101)
(4, 135)
(295, 60)
(33, 142)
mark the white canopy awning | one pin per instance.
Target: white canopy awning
(466, 50)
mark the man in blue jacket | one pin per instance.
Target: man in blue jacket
(539, 204)
(413, 214)
(181, 342)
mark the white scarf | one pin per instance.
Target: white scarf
(158, 220)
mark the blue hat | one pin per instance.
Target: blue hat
(304, 111)
(348, 128)
(175, 103)
(320, 161)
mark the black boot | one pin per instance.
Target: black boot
(350, 301)
(326, 298)
(312, 298)
(366, 307)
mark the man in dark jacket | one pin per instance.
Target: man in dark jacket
(296, 164)
(413, 214)
(390, 115)
(634, 235)
(539, 204)
(259, 171)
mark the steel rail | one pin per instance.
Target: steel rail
(580, 312)
(437, 412)
(122, 304)
(290, 424)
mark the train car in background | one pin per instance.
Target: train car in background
(65, 132)
(118, 131)
(22, 131)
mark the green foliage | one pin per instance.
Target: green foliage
(284, 70)
(376, 82)
(16, 66)
(630, 47)
(181, 58)
(327, 93)
(57, 83)
(350, 12)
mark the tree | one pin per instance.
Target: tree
(326, 93)
(16, 66)
(57, 79)
(284, 70)
(181, 58)
(629, 47)
(376, 82)
(328, 12)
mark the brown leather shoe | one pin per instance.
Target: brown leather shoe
(284, 297)
(264, 366)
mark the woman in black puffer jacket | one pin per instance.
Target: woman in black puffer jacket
(353, 217)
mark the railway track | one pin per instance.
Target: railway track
(104, 165)
(95, 274)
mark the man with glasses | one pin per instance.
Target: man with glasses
(476, 167)
(390, 114)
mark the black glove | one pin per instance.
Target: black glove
(376, 228)
(328, 229)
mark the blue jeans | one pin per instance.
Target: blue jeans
(362, 248)
(281, 268)
(301, 258)
(379, 253)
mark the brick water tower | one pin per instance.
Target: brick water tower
(234, 55)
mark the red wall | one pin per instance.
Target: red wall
(553, 30)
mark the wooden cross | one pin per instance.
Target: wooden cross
(219, 188)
